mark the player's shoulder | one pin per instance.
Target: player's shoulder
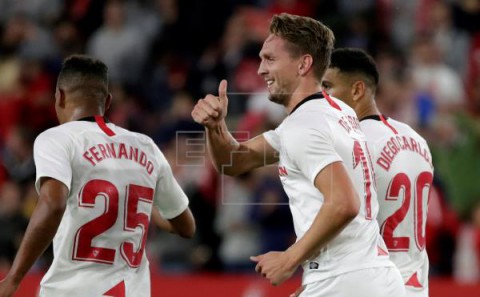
(335, 111)
(61, 133)
(139, 138)
(379, 132)
(321, 115)
(137, 135)
(69, 129)
(305, 119)
(309, 114)
(145, 142)
(306, 125)
(405, 129)
(335, 107)
(374, 128)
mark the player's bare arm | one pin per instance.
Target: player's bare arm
(39, 234)
(183, 224)
(341, 206)
(233, 158)
(229, 156)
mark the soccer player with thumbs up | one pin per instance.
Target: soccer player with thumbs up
(324, 166)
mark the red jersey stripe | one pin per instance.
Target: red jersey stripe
(388, 124)
(330, 100)
(101, 123)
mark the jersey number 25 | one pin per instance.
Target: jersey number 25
(83, 250)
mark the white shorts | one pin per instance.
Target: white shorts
(419, 286)
(371, 282)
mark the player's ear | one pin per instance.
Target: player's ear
(60, 98)
(358, 90)
(305, 65)
(108, 101)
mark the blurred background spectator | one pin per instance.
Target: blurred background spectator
(163, 55)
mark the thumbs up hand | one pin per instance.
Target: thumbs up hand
(212, 110)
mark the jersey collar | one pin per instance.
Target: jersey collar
(375, 117)
(92, 119)
(317, 95)
(381, 118)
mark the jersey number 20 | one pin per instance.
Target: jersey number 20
(420, 197)
(83, 250)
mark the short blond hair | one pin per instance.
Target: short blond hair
(305, 36)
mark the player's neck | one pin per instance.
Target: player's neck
(367, 109)
(83, 112)
(302, 92)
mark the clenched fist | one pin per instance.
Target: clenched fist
(211, 110)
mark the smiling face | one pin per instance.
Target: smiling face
(279, 69)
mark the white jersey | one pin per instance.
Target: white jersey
(114, 176)
(317, 133)
(404, 173)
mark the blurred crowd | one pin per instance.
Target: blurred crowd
(163, 55)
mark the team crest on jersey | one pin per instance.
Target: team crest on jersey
(313, 265)
(282, 171)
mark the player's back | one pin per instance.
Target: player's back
(112, 175)
(404, 174)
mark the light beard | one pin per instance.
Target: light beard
(279, 98)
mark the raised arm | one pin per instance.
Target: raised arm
(234, 158)
(39, 234)
(229, 156)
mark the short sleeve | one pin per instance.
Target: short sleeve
(311, 149)
(273, 138)
(51, 152)
(170, 199)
